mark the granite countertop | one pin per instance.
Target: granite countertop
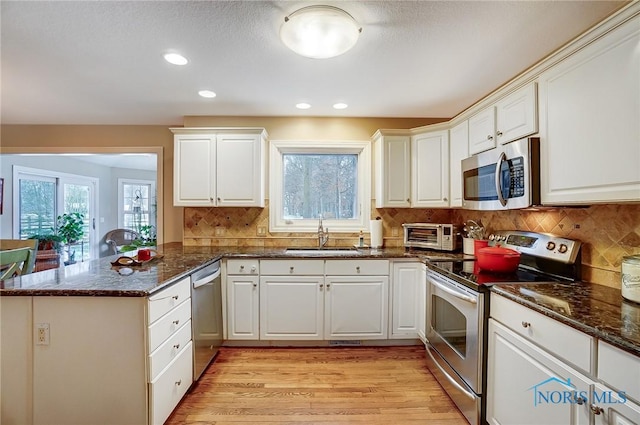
(100, 278)
(597, 310)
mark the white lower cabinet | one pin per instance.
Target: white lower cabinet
(407, 300)
(526, 385)
(166, 391)
(291, 307)
(356, 307)
(533, 374)
(242, 307)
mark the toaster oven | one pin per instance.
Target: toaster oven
(442, 237)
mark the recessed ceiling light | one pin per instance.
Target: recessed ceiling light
(340, 106)
(207, 93)
(303, 105)
(175, 59)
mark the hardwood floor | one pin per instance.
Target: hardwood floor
(317, 386)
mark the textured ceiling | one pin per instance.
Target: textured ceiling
(100, 62)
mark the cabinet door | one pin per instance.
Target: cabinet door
(405, 300)
(589, 128)
(291, 307)
(616, 410)
(458, 150)
(194, 162)
(356, 307)
(430, 170)
(242, 307)
(526, 385)
(516, 115)
(482, 129)
(393, 171)
(240, 179)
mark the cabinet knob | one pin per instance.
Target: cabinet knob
(218, 199)
(444, 199)
(489, 137)
(211, 199)
(597, 410)
(255, 285)
(499, 133)
(526, 324)
(408, 199)
(580, 400)
(358, 269)
(291, 269)
(241, 268)
(321, 285)
(328, 285)
(253, 269)
(179, 382)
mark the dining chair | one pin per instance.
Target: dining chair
(14, 262)
(32, 244)
(119, 237)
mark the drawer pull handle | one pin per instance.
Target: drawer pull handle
(526, 324)
(175, 297)
(175, 322)
(597, 410)
(178, 383)
(176, 346)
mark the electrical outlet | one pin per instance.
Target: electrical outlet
(219, 231)
(42, 334)
(261, 231)
(395, 231)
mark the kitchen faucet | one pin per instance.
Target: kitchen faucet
(323, 234)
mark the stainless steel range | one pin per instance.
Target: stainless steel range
(458, 310)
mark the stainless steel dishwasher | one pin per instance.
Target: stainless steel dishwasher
(206, 316)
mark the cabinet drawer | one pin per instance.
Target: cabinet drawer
(167, 299)
(166, 391)
(619, 369)
(244, 266)
(290, 267)
(168, 350)
(553, 336)
(169, 324)
(357, 267)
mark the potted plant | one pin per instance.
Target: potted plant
(70, 226)
(48, 241)
(148, 237)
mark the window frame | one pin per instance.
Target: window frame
(278, 148)
(122, 181)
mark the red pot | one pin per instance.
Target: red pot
(497, 259)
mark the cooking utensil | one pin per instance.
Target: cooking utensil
(498, 260)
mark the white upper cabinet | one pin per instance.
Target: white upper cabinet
(517, 115)
(219, 167)
(589, 122)
(430, 169)
(392, 170)
(458, 150)
(511, 118)
(482, 129)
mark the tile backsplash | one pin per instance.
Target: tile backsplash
(608, 232)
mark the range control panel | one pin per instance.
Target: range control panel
(535, 244)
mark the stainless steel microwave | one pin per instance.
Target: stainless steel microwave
(504, 178)
(442, 237)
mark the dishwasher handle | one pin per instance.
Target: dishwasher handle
(201, 281)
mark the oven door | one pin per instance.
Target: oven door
(503, 178)
(454, 326)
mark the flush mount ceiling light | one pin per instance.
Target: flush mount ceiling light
(175, 59)
(207, 93)
(319, 32)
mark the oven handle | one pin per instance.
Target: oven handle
(454, 293)
(453, 382)
(501, 159)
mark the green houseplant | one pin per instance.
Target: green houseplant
(148, 237)
(70, 227)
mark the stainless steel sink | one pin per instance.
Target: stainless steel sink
(318, 252)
